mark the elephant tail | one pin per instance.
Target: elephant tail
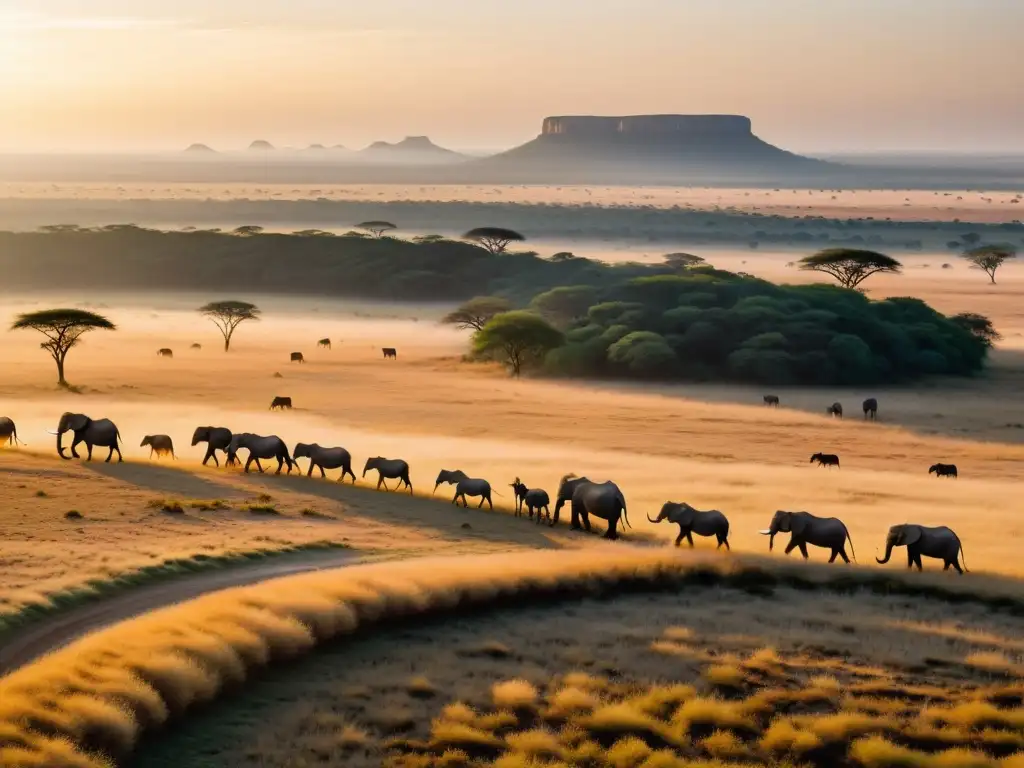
(852, 551)
(625, 514)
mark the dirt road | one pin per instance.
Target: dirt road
(43, 637)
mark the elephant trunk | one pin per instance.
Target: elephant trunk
(888, 552)
(435, 488)
(60, 448)
(651, 519)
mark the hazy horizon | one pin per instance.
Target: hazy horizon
(849, 75)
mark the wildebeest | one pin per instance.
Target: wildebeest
(8, 432)
(390, 352)
(326, 343)
(533, 498)
(943, 470)
(297, 357)
(389, 469)
(825, 459)
(836, 409)
(771, 400)
(870, 408)
(281, 403)
(161, 445)
(165, 352)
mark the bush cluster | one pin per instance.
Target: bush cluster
(711, 325)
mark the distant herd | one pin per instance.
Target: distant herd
(587, 498)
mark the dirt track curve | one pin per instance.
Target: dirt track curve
(49, 634)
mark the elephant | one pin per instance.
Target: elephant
(389, 469)
(943, 470)
(836, 409)
(805, 528)
(466, 486)
(825, 460)
(941, 543)
(8, 432)
(325, 343)
(771, 400)
(217, 439)
(389, 352)
(603, 500)
(161, 445)
(165, 352)
(870, 408)
(325, 458)
(280, 403)
(533, 498)
(92, 432)
(260, 447)
(709, 522)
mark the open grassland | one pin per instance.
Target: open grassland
(674, 650)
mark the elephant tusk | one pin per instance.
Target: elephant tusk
(765, 532)
(51, 432)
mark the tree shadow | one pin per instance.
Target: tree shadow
(163, 479)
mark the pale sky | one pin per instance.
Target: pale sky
(815, 75)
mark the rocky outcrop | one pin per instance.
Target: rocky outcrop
(261, 146)
(414, 149)
(200, 148)
(669, 148)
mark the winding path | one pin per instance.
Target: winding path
(51, 633)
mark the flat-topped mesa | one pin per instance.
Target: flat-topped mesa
(649, 126)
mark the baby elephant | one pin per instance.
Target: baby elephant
(161, 445)
(826, 460)
(690, 521)
(941, 543)
(943, 470)
(533, 498)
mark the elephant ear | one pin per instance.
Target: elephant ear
(78, 421)
(911, 534)
(683, 515)
(798, 524)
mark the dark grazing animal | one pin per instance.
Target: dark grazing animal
(326, 343)
(390, 352)
(836, 409)
(281, 403)
(771, 400)
(870, 408)
(161, 445)
(533, 498)
(197, 346)
(825, 459)
(165, 352)
(297, 357)
(943, 470)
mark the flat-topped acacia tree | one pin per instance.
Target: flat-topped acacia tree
(989, 258)
(849, 266)
(377, 228)
(494, 239)
(228, 315)
(63, 329)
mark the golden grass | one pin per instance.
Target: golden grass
(514, 694)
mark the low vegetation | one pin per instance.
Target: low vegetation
(86, 706)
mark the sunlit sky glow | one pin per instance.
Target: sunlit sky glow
(815, 75)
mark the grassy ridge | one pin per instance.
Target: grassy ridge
(87, 705)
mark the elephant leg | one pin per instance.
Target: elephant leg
(689, 538)
(956, 566)
(379, 481)
(258, 465)
(88, 451)
(790, 547)
(680, 537)
(611, 533)
(803, 550)
(586, 520)
(575, 523)
(917, 561)
(248, 462)
(455, 499)
(75, 442)
(835, 554)
(842, 554)
(280, 466)
(110, 454)
(490, 504)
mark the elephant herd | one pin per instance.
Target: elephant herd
(586, 498)
(869, 406)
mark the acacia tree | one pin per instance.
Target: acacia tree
(377, 228)
(476, 313)
(521, 337)
(565, 304)
(494, 239)
(683, 260)
(849, 266)
(63, 329)
(228, 315)
(989, 258)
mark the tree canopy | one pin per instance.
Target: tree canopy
(63, 329)
(521, 338)
(377, 228)
(682, 260)
(849, 266)
(494, 239)
(228, 315)
(979, 326)
(477, 312)
(564, 304)
(989, 258)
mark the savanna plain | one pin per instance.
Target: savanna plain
(462, 637)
